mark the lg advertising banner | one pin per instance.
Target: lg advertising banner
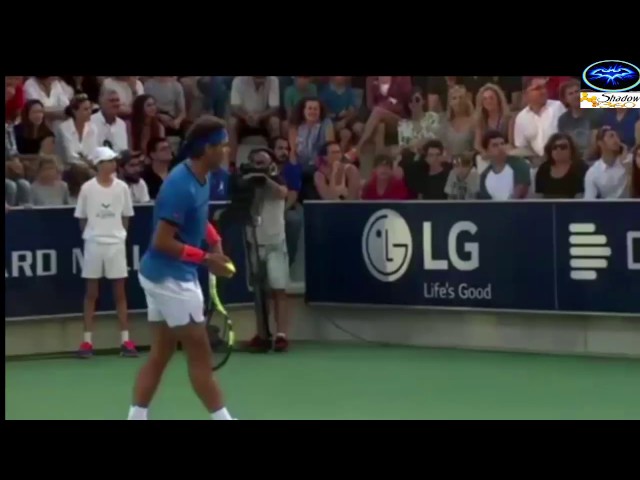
(568, 256)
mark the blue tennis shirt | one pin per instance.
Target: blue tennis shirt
(183, 201)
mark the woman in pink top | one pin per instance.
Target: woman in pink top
(388, 100)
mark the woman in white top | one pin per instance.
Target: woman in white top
(78, 136)
(49, 91)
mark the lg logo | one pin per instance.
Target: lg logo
(387, 246)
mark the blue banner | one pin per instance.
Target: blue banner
(43, 258)
(567, 256)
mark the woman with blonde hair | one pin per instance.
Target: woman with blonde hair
(492, 113)
(457, 131)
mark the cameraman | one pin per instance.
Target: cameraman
(291, 172)
(269, 206)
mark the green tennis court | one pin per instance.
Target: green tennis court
(316, 381)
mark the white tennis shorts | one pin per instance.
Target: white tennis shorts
(104, 260)
(174, 302)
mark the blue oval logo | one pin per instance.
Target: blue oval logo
(611, 76)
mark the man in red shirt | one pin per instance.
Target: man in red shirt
(13, 98)
(383, 185)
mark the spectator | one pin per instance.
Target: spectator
(388, 100)
(383, 185)
(506, 177)
(310, 130)
(302, 87)
(215, 95)
(145, 123)
(340, 101)
(458, 127)
(50, 93)
(77, 175)
(48, 145)
(32, 128)
(427, 172)
(13, 98)
(463, 182)
(104, 209)
(554, 86)
(634, 177)
(78, 136)
(160, 158)
(130, 166)
(255, 102)
(492, 113)
(607, 177)
(291, 172)
(17, 190)
(48, 189)
(172, 110)
(421, 127)
(334, 179)
(562, 173)
(539, 120)
(128, 89)
(90, 86)
(111, 131)
(219, 185)
(623, 122)
(577, 122)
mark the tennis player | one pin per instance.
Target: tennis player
(169, 270)
(104, 208)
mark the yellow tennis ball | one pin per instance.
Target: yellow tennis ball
(230, 266)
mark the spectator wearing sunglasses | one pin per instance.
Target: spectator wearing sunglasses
(539, 120)
(562, 173)
(110, 129)
(130, 167)
(420, 127)
(77, 135)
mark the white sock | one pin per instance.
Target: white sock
(221, 414)
(87, 337)
(137, 413)
(281, 335)
(124, 334)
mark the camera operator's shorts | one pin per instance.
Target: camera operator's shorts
(174, 302)
(276, 260)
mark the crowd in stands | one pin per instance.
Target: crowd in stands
(338, 138)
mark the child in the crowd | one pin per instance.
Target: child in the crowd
(463, 182)
(48, 189)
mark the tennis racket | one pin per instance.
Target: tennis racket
(219, 327)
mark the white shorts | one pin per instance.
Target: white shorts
(174, 302)
(105, 260)
(276, 260)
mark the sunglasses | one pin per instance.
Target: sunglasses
(560, 146)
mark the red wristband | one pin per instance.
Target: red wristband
(212, 235)
(192, 254)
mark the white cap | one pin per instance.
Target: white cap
(103, 154)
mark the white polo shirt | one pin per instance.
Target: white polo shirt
(73, 145)
(104, 207)
(115, 132)
(606, 182)
(123, 89)
(56, 100)
(532, 130)
(244, 94)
